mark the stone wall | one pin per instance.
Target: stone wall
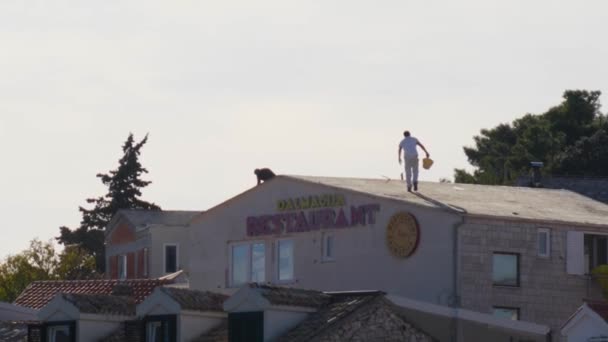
(376, 322)
(547, 294)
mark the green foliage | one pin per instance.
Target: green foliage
(76, 263)
(566, 139)
(42, 262)
(124, 189)
(17, 271)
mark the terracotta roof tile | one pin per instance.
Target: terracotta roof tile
(39, 293)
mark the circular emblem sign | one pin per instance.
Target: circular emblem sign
(402, 234)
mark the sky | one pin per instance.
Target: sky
(316, 87)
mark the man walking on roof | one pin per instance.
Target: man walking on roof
(410, 156)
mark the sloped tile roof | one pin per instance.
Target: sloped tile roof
(278, 295)
(196, 300)
(127, 331)
(101, 304)
(217, 334)
(39, 293)
(473, 199)
(13, 331)
(340, 306)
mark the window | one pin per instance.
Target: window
(506, 312)
(246, 327)
(122, 266)
(596, 251)
(171, 258)
(248, 263)
(544, 242)
(505, 270)
(161, 328)
(285, 260)
(61, 332)
(328, 247)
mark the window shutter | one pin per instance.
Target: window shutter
(140, 263)
(575, 258)
(113, 265)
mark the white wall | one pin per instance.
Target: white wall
(277, 323)
(161, 235)
(586, 328)
(362, 261)
(192, 325)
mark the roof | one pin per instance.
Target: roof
(13, 331)
(217, 334)
(101, 304)
(290, 296)
(39, 293)
(479, 200)
(142, 217)
(196, 300)
(594, 187)
(340, 306)
(127, 331)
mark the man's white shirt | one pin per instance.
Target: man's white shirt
(408, 144)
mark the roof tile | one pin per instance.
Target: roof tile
(39, 293)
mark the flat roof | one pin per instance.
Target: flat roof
(483, 200)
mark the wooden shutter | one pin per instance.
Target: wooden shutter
(130, 265)
(575, 255)
(113, 265)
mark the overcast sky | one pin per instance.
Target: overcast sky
(316, 87)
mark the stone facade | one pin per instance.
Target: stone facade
(546, 294)
(376, 322)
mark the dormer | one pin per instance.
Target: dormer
(181, 314)
(263, 313)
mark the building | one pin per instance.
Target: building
(512, 252)
(147, 244)
(256, 313)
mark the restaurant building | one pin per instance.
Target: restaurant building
(521, 253)
(518, 253)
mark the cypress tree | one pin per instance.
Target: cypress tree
(124, 190)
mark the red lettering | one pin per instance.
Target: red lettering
(341, 220)
(357, 216)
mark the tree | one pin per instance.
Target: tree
(18, 271)
(42, 262)
(124, 191)
(561, 138)
(76, 263)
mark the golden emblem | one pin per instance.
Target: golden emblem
(402, 234)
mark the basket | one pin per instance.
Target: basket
(427, 163)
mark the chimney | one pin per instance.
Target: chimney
(536, 182)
